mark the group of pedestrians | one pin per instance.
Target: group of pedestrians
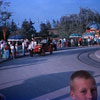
(11, 49)
(77, 42)
(8, 49)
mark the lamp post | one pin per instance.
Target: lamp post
(4, 18)
(4, 32)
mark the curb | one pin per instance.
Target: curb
(4, 60)
(97, 54)
(18, 56)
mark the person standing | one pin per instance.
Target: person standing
(12, 50)
(16, 47)
(23, 48)
(30, 49)
(6, 51)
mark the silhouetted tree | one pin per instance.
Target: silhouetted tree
(4, 16)
(76, 23)
(28, 29)
(44, 29)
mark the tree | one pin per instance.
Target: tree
(48, 24)
(28, 29)
(44, 29)
(13, 27)
(55, 23)
(4, 16)
(76, 23)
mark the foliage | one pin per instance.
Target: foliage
(44, 29)
(4, 13)
(4, 17)
(28, 29)
(76, 23)
(13, 26)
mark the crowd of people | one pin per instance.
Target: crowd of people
(75, 42)
(6, 49)
(11, 49)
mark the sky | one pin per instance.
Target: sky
(42, 10)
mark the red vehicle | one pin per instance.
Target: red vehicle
(42, 49)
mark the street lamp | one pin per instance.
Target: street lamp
(4, 18)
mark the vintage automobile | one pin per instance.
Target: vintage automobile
(41, 49)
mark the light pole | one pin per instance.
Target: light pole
(4, 24)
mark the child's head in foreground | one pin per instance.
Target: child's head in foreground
(83, 86)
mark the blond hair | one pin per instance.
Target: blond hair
(80, 74)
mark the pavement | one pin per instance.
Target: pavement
(61, 92)
(17, 56)
(97, 55)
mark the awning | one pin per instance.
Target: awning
(75, 35)
(16, 38)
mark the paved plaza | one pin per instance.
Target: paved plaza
(47, 77)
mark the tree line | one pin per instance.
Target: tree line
(67, 24)
(77, 23)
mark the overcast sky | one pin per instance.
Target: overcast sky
(42, 10)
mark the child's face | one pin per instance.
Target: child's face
(84, 89)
